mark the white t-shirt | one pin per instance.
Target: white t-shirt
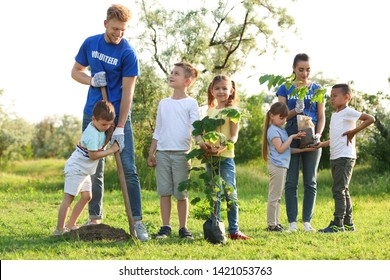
(341, 122)
(174, 123)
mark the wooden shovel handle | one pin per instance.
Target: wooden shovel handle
(122, 181)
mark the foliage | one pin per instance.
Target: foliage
(15, 137)
(150, 87)
(214, 186)
(236, 31)
(56, 137)
(300, 92)
(373, 143)
(249, 143)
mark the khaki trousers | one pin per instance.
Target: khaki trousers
(277, 178)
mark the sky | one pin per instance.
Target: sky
(346, 40)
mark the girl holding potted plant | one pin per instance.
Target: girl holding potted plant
(222, 95)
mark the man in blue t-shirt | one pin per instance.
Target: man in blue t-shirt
(113, 64)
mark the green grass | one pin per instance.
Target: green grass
(31, 192)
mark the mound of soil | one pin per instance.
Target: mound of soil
(99, 232)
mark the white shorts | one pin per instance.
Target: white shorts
(76, 183)
(172, 167)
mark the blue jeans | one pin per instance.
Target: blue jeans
(227, 170)
(309, 161)
(95, 206)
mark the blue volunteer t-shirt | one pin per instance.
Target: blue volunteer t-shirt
(292, 100)
(117, 61)
(283, 159)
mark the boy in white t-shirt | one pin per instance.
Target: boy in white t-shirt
(343, 154)
(170, 144)
(83, 163)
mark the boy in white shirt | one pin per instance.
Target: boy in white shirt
(170, 144)
(343, 154)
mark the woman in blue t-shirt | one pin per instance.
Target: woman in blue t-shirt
(310, 160)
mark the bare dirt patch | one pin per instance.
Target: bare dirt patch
(99, 232)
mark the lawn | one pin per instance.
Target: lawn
(31, 192)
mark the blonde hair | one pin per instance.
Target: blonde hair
(232, 100)
(119, 12)
(190, 72)
(278, 108)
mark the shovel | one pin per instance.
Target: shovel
(122, 182)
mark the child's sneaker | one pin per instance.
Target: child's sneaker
(59, 232)
(308, 228)
(185, 233)
(164, 232)
(293, 227)
(75, 227)
(332, 228)
(90, 223)
(278, 228)
(349, 227)
(239, 235)
(141, 232)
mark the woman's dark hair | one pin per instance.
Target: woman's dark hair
(300, 57)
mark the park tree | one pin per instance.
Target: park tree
(15, 136)
(215, 36)
(56, 137)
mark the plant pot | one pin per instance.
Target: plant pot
(305, 124)
(214, 231)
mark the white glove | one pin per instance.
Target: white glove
(99, 80)
(119, 137)
(299, 106)
(316, 138)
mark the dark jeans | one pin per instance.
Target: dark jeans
(342, 169)
(309, 161)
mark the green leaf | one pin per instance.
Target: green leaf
(195, 200)
(184, 185)
(195, 168)
(270, 82)
(264, 78)
(232, 113)
(229, 146)
(302, 92)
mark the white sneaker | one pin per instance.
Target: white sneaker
(307, 227)
(141, 232)
(59, 232)
(90, 223)
(293, 227)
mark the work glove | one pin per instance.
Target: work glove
(316, 138)
(299, 106)
(119, 137)
(99, 80)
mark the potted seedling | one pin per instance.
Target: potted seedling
(214, 186)
(304, 122)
